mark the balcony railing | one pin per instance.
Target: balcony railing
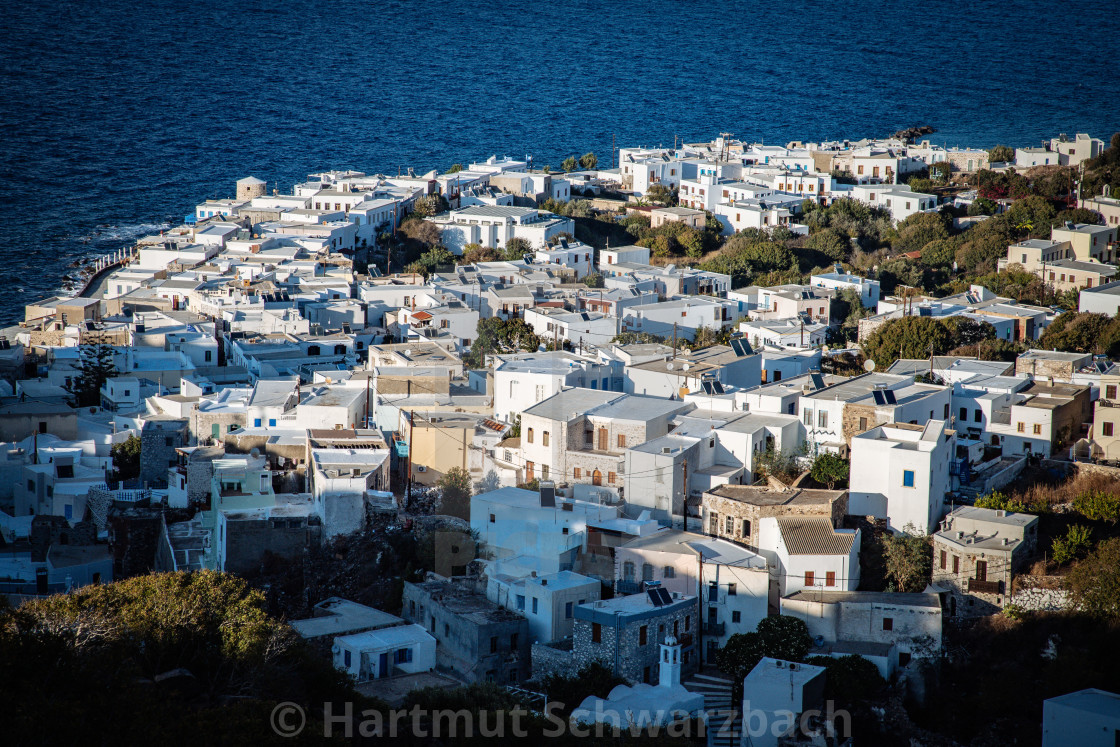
(714, 628)
(627, 586)
(985, 587)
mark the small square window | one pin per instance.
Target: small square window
(888, 623)
(908, 478)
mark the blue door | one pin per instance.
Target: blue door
(383, 665)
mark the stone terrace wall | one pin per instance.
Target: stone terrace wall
(548, 661)
(1041, 594)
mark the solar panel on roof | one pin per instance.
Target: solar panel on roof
(879, 398)
(718, 387)
(654, 597)
(817, 380)
(741, 347)
(889, 395)
(663, 594)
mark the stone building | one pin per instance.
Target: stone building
(580, 436)
(159, 438)
(976, 554)
(907, 624)
(1051, 364)
(475, 638)
(19, 420)
(734, 512)
(287, 530)
(189, 480)
(624, 633)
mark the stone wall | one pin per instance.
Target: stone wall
(1085, 468)
(202, 424)
(850, 422)
(632, 658)
(548, 661)
(1041, 594)
(158, 441)
(867, 327)
(740, 510)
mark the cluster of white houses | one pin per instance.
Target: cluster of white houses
(283, 399)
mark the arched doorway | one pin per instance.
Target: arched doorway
(596, 478)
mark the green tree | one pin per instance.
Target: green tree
(918, 230)
(1031, 216)
(430, 205)
(516, 248)
(126, 458)
(909, 560)
(740, 655)
(939, 253)
(1076, 332)
(982, 206)
(941, 171)
(497, 335)
(455, 493)
(95, 366)
(1094, 582)
(784, 637)
(636, 338)
(433, 259)
(660, 194)
(455, 168)
(898, 272)
(1001, 154)
(1098, 505)
(569, 164)
(588, 161)
(831, 243)
(594, 280)
(1078, 215)
(849, 679)
(998, 501)
(914, 337)
(473, 253)
(1078, 540)
(830, 469)
(578, 209)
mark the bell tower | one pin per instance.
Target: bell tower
(669, 673)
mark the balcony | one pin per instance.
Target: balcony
(714, 628)
(984, 587)
(627, 586)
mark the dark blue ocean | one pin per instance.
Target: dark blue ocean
(117, 117)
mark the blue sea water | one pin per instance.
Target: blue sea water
(118, 117)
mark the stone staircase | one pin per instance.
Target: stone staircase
(725, 719)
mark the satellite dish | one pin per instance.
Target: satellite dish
(669, 366)
(684, 367)
(869, 365)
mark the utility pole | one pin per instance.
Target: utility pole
(367, 398)
(674, 339)
(411, 438)
(700, 605)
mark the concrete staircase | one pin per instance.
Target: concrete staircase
(725, 719)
